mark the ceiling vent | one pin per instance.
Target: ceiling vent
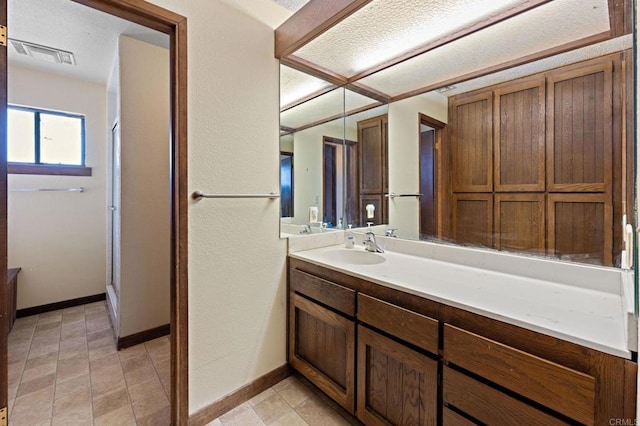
(445, 89)
(44, 53)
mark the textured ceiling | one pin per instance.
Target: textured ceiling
(292, 5)
(387, 28)
(63, 24)
(296, 85)
(552, 24)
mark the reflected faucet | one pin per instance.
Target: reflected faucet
(306, 229)
(391, 232)
(370, 243)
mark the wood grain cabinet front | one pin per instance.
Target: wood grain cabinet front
(322, 348)
(396, 384)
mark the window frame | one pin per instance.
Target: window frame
(39, 168)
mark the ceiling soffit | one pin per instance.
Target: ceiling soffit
(487, 40)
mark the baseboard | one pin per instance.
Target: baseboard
(35, 310)
(245, 393)
(143, 336)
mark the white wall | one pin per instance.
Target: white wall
(59, 238)
(237, 297)
(145, 220)
(404, 158)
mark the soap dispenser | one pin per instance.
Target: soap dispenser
(350, 240)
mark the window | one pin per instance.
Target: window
(45, 142)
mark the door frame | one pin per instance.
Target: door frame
(174, 25)
(441, 171)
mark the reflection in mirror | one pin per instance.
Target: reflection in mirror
(516, 136)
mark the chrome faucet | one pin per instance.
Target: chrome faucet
(391, 232)
(370, 243)
(306, 229)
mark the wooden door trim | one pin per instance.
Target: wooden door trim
(5, 315)
(163, 20)
(441, 172)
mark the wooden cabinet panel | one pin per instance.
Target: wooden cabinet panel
(488, 405)
(396, 385)
(331, 294)
(579, 227)
(473, 219)
(519, 137)
(562, 389)
(404, 324)
(579, 131)
(321, 347)
(372, 153)
(380, 203)
(451, 418)
(471, 143)
(519, 222)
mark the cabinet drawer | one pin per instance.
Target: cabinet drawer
(562, 389)
(488, 405)
(406, 325)
(331, 294)
(451, 418)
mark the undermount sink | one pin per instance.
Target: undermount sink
(354, 256)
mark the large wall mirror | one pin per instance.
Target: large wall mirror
(507, 125)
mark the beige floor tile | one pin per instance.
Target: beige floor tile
(75, 407)
(317, 413)
(110, 402)
(36, 385)
(159, 349)
(139, 375)
(291, 419)
(261, 397)
(292, 391)
(160, 417)
(123, 416)
(46, 359)
(72, 367)
(38, 372)
(242, 415)
(33, 409)
(272, 408)
(76, 384)
(149, 388)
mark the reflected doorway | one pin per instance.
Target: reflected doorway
(430, 139)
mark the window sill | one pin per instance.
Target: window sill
(47, 169)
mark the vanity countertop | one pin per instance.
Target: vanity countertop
(595, 316)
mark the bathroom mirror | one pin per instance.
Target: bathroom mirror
(511, 134)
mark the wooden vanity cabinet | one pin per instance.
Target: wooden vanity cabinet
(411, 360)
(397, 383)
(322, 335)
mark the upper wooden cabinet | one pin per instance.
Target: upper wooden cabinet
(471, 143)
(519, 123)
(373, 170)
(579, 129)
(526, 142)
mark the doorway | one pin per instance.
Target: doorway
(335, 178)
(174, 25)
(430, 140)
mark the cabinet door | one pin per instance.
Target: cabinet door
(579, 129)
(380, 213)
(471, 143)
(396, 385)
(372, 150)
(579, 227)
(473, 219)
(519, 222)
(321, 347)
(519, 137)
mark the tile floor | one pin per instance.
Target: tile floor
(64, 370)
(292, 402)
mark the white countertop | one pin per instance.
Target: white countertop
(594, 316)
